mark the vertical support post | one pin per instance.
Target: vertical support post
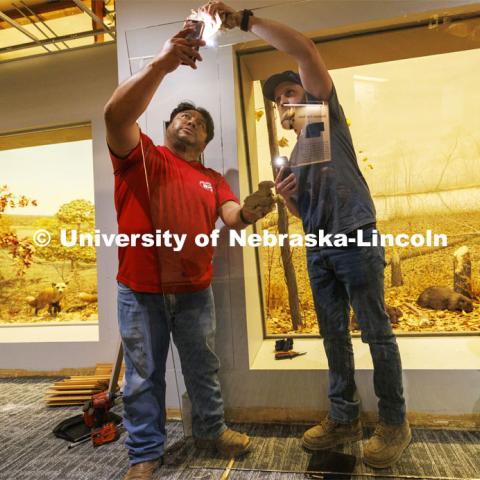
(289, 271)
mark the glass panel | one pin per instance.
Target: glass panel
(184, 195)
(406, 191)
(261, 273)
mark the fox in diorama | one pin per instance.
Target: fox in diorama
(50, 296)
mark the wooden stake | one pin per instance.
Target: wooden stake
(289, 271)
(462, 272)
(396, 278)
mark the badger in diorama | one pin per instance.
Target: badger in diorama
(443, 298)
(394, 314)
(50, 296)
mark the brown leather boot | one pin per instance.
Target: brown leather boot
(143, 470)
(387, 444)
(329, 434)
(229, 444)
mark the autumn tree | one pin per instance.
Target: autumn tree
(78, 215)
(21, 250)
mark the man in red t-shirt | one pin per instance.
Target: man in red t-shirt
(165, 289)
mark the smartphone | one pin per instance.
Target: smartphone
(280, 162)
(197, 33)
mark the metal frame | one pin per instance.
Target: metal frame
(98, 20)
(37, 42)
(22, 13)
(16, 25)
(35, 15)
(63, 38)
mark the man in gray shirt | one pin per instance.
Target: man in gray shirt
(333, 196)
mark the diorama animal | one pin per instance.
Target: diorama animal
(394, 313)
(444, 298)
(51, 297)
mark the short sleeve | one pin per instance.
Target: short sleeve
(334, 107)
(120, 164)
(224, 193)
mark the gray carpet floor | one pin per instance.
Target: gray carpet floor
(29, 451)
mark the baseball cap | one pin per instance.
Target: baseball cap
(272, 82)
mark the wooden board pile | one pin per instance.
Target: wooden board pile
(76, 390)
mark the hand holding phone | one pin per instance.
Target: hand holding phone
(286, 172)
(197, 27)
(180, 50)
(279, 163)
(285, 188)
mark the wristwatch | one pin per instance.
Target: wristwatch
(246, 14)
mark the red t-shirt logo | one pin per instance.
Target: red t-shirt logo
(206, 185)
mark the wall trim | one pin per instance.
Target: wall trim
(64, 372)
(309, 416)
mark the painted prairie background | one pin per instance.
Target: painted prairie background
(416, 131)
(46, 187)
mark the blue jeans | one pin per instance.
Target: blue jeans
(146, 321)
(340, 277)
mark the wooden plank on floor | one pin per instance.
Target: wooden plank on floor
(72, 397)
(71, 392)
(63, 388)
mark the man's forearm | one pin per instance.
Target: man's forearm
(233, 216)
(312, 69)
(283, 38)
(133, 96)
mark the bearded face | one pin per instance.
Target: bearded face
(288, 93)
(188, 129)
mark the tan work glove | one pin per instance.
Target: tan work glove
(261, 202)
(230, 17)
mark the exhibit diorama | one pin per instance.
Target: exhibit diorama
(418, 155)
(407, 80)
(42, 191)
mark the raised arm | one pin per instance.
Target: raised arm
(311, 67)
(132, 97)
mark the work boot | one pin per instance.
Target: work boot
(387, 444)
(229, 444)
(143, 470)
(329, 434)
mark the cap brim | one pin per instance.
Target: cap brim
(275, 80)
(271, 84)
